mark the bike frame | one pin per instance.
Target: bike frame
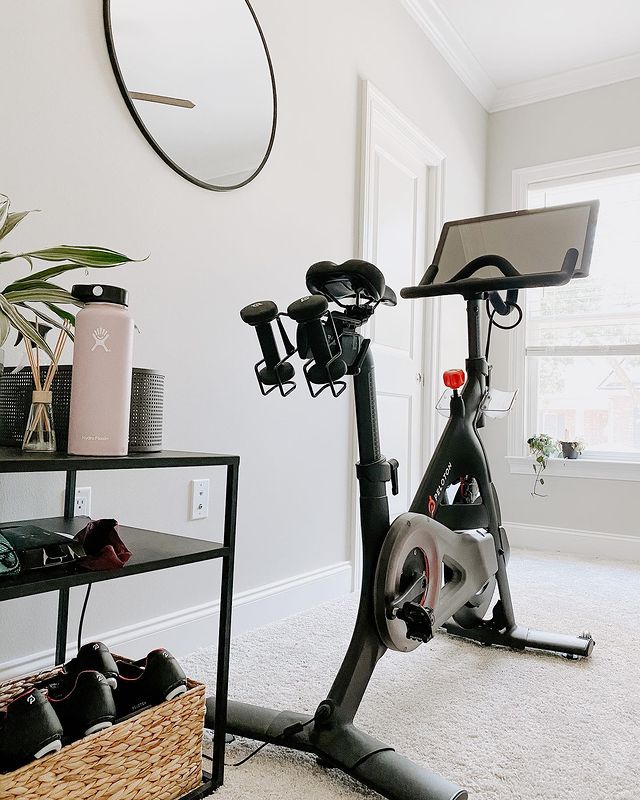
(330, 733)
(460, 452)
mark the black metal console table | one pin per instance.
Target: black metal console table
(151, 551)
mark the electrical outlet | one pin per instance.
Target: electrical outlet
(199, 499)
(82, 505)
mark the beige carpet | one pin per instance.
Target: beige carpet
(500, 723)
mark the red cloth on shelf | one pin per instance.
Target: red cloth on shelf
(102, 545)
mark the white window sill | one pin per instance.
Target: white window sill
(578, 468)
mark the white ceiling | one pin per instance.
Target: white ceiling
(512, 53)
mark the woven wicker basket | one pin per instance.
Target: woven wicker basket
(155, 755)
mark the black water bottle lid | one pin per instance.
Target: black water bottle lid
(100, 293)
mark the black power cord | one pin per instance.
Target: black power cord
(491, 314)
(82, 613)
(251, 755)
(291, 730)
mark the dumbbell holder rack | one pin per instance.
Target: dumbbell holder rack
(151, 551)
(337, 386)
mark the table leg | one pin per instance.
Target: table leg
(63, 594)
(63, 620)
(224, 630)
(70, 495)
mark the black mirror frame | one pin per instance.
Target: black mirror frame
(147, 134)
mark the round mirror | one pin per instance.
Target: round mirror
(198, 80)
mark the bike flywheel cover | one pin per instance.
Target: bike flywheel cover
(407, 533)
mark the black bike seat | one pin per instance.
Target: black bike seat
(346, 281)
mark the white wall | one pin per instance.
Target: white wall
(69, 146)
(581, 124)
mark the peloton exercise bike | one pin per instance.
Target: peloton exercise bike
(439, 564)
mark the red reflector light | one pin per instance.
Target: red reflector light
(454, 378)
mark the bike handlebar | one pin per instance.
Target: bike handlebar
(500, 306)
(465, 284)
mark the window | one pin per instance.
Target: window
(582, 341)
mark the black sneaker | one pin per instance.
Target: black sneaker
(84, 704)
(148, 682)
(29, 728)
(94, 656)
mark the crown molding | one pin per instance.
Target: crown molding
(563, 83)
(452, 48)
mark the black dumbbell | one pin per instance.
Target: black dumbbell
(308, 313)
(260, 315)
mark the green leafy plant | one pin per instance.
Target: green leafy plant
(542, 447)
(35, 293)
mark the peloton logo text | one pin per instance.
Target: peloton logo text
(433, 500)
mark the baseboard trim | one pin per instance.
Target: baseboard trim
(187, 630)
(615, 546)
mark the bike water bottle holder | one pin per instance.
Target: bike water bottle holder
(281, 383)
(318, 341)
(283, 371)
(337, 386)
(495, 404)
(272, 371)
(498, 403)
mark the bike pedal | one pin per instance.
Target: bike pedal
(419, 621)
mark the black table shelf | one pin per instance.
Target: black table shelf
(151, 551)
(13, 459)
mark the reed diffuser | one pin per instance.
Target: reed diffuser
(40, 433)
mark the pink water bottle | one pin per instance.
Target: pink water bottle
(101, 378)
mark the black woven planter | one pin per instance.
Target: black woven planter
(147, 402)
(569, 450)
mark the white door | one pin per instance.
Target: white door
(402, 184)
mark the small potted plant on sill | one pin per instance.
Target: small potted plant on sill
(572, 449)
(39, 298)
(542, 447)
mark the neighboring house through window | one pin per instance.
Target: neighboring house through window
(581, 342)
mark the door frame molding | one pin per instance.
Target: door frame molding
(378, 112)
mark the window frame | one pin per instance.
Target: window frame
(603, 464)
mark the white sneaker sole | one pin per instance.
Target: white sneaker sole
(52, 747)
(100, 726)
(176, 692)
